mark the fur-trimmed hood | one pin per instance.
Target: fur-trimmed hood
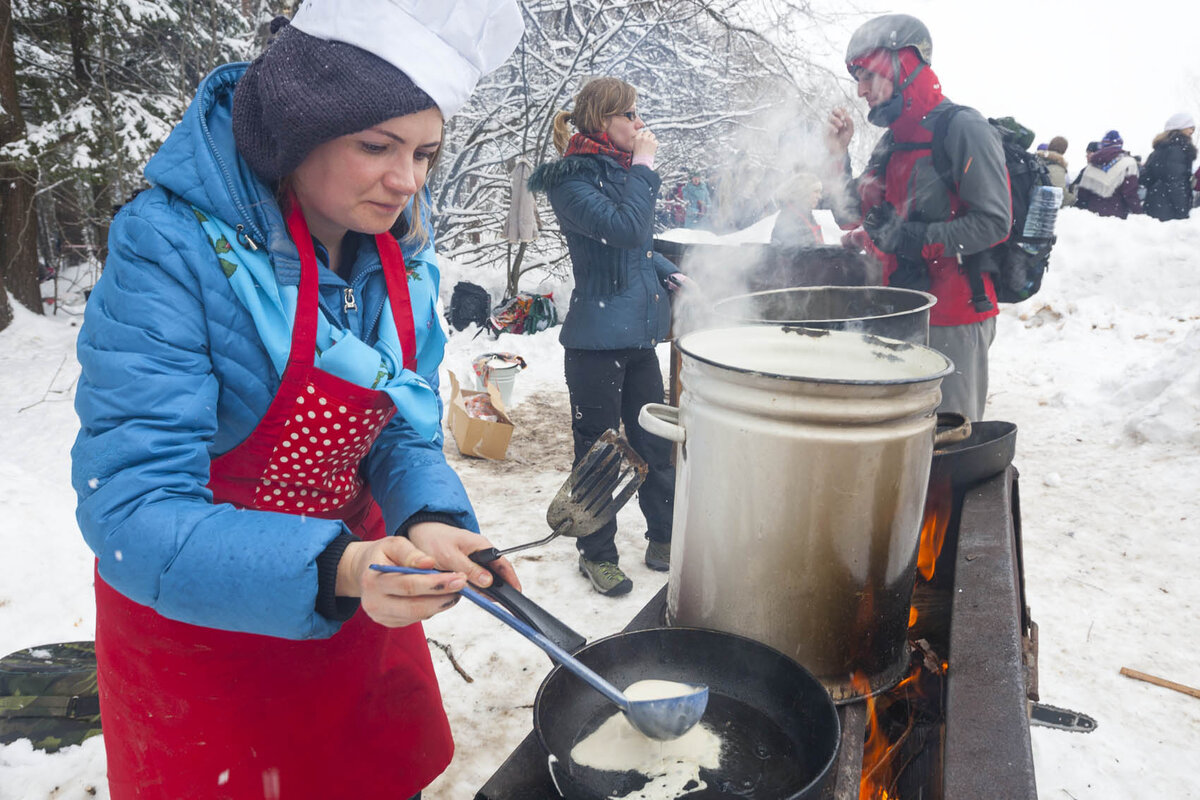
(552, 173)
(1179, 139)
(1054, 158)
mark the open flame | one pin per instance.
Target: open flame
(881, 765)
(875, 747)
(882, 762)
(938, 504)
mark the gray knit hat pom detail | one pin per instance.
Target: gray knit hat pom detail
(303, 91)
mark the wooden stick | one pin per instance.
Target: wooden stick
(1141, 676)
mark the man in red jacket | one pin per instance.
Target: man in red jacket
(924, 232)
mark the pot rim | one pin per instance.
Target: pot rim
(929, 302)
(818, 333)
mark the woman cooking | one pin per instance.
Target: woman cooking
(259, 414)
(603, 193)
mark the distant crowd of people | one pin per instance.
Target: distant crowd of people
(1115, 183)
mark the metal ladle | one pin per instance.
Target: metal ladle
(662, 718)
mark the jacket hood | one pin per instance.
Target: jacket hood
(919, 97)
(552, 173)
(200, 163)
(1177, 139)
(1055, 158)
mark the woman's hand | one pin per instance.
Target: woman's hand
(393, 599)
(839, 130)
(451, 547)
(644, 143)
(677, 281)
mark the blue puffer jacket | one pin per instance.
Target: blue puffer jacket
(174, 374)
(606, 213)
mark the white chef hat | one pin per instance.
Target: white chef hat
(444, 47)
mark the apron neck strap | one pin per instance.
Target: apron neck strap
(394, 271)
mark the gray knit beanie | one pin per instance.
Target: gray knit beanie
(303, 91)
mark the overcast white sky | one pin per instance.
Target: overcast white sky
(1070, 68)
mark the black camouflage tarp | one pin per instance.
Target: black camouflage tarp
(48, 695)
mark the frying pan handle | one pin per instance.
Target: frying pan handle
(959, 428)
(525, 609)
(662, 420)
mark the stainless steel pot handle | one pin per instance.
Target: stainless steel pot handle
(662, 420)
(958, 433)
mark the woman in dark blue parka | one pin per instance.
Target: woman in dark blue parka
(603, 192)
(260, 419)
(1167, 175)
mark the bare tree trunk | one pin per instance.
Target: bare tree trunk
(18, 221)
(75, 20)
(515, 272)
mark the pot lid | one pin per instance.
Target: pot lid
(812, 354)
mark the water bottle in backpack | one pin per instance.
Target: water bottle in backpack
(1038, 232)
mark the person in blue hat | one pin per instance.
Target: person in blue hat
(1108, 185)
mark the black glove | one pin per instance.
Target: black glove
(910, 274)
(892, 234)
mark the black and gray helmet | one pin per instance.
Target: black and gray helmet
(890, 32)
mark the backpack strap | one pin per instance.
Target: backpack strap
(73, 707)
(937, 146)
(941, 159)
(882, 155)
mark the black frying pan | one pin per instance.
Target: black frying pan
(986, 452)
(778, 725)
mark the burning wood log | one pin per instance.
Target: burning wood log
(1142, 676)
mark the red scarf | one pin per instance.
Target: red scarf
(597, 144)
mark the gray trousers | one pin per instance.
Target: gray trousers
(965, 390)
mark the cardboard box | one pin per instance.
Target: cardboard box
(481, 438)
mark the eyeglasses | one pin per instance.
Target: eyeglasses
(629, 115)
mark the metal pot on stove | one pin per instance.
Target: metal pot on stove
(801, 476)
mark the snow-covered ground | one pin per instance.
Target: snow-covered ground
(1101, 372)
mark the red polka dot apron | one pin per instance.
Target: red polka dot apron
(189, 711)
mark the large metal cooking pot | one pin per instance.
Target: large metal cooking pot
(800, 484)
(881, 310)
(778, 726)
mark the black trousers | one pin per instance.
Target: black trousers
(608, 387)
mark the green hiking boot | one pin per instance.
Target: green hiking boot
(658, 556)
(606, 577)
